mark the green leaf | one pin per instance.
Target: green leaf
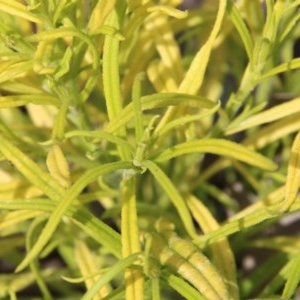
(130, 238)
(111, 81)
(293, 277)
(57, 33)
(182, 287)
(241, 27)
(66, 200)
(220, 147)
(267, 116)
(187, 260)
(17, 9)
(168, 10)
(293, 175)
(14, 69)
(291, 65)
(111, 76)
(195, 74)
(159, 100)
(109, 275)
(223, 256)
(136, 98)
(13, 218)
(181, 121)
(21, 100)
(273, 132)
(99, 135)
(99, 14)
(167, 185)
(35, 174)
(97, 229)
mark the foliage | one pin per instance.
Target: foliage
(145, 150)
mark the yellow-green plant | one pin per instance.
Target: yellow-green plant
(116, 118)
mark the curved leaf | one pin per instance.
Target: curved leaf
(65, 202)
(241, 27)
(219, 147)
(97, 229)
(159, 100)
(293, 175)
(20, 100)
(223, 256)
(16, 8)
(188, 261)
(267, 116)
(174, 195)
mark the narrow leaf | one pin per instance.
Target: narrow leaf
(188, 261)
(291, 65)
(241, 28)
(168, 10)
(93, 226)
(63, 205)
(31, 170)
(130, 239)
(223, 256)
(58, 166)
(86, 263)
(182, 287)
(173, 193)
(16, 8)
(267, 116)
(195, 74)
(159, 100)
(11, 219)
(219, 147)
(293, 175)
(100, 12)
(20, 100)
(293, 278)
(115, 270)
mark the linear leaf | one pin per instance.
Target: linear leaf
(101, 135)
(16, 8)
(274, 131)
(109, 275)
(69, 196)
(173, 193)
(111, 80)
(267, 116)
(241, 28)
(195, 74)
(168, 10)
(182, 287)
(222, 253)
(167, 47)
(20, 100)
(188, 261)
(58, 166)
(293, 175)
(86, 263)
(14, 70)
(130, 238)
(219, 147)
(293, 278)
(57, 33)
(100, 12)
(35, 174)
(292, 64)
(16, 217)
(181, 121)
(159, 100)
(93, 226)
